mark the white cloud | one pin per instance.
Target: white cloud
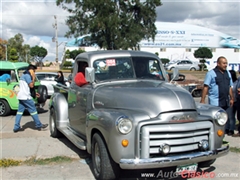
(219, 15)
(34, 18)
(33, 40)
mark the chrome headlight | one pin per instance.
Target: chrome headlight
(164, 149)
(221, 117)
(124, 125)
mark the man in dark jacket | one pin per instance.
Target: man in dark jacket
(218, 85)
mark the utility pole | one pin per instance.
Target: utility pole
(56, 37)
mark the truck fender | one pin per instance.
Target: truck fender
(96, 126)
(60, 104)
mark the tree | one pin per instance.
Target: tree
(165, 60)
(38, 54)
(112, 24)
(17, 43)
(67, 54)
(26, 53)
(13, 55)
(73, 54)
(202, 54)
(67, 65)
(3, 49)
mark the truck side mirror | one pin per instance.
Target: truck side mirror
(175, 75)
(90, 74)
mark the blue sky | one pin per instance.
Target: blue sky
(34, 19)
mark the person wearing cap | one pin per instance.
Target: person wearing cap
(26, 100)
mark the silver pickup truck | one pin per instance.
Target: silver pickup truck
(129, 116)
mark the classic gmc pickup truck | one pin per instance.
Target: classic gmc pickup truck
(129, 116)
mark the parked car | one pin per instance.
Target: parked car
(10, 74)
(48, 79)
(131, 120)
(183, 65)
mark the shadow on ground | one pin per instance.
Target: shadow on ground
(85, 158)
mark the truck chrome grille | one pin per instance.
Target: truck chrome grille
(181, 137)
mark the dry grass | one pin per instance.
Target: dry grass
(33, 161)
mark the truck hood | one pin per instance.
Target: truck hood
(148, 97)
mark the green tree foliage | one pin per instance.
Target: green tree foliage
(202, 54)
(3, 48)
(38, 54)
(13, 55)
(67, 65)
(113, 24)
(165, 60)
(67, 54)
(73, 54)
(17, 43)
(26, 53)
(48, 64)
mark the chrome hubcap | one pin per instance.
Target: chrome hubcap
(97, 157)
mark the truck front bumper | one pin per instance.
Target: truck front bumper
(171, 161)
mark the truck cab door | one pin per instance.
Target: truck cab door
(77, 100)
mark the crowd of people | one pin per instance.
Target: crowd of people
(222, 87)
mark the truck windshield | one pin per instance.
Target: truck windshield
(127, 68)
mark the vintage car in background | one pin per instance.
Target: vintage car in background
(130, 117)
(194, 87)
(48, 79)
(10, 74)
(183, 65)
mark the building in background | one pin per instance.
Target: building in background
(178, 41)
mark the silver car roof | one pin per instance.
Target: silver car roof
(93, 55)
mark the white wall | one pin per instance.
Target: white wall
(180, 53)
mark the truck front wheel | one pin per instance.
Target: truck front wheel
(103, 165)
(53, 125)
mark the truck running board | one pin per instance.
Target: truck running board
(77, 141)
